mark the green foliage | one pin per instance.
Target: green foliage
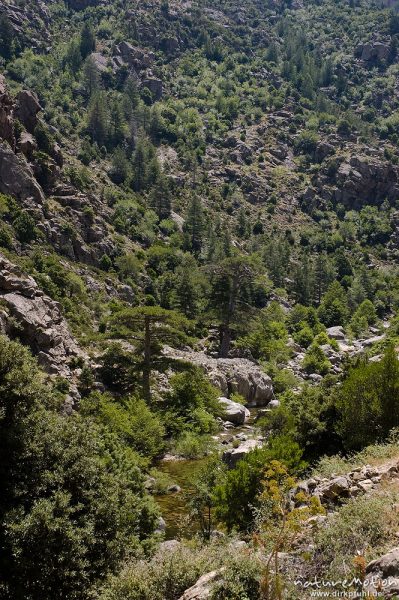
(119, 369)
(236, 498)
(315, 361)
(25, 227)
(73, 503)
(369, 401)
(192, 403)
(130, 420)
(333, 309)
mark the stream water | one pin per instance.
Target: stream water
(182, 472)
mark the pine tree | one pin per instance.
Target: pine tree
(150, 327)
(194, 225)
(87, 40)
(140, 159)
(231, 282)
(97, 119)
(91, 77)
(161, 198)
(131, 97)
(117, 123)
(323, 275)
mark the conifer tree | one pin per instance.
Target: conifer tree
(87, 40)
(194, 225)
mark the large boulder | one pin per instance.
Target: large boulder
(382, 575)
(233, 455)
(135, 57)
(27, 109)
(16, 176)
(231, 375)
(155, 86)
(235, 412)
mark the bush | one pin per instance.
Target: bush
(73, 503)
(25, 227)
(166, 576)
(315, 361)
(354, 530)
(192, 445)
(304, 337)
(130, 420)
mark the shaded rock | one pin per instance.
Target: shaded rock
(323, 149)
(135, 57)
(16, 176)
(27, 144)
(155, 86)
(27, 109)
(6, 108)
(37, 320)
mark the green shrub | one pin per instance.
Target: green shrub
(315, 361)
(193, 445)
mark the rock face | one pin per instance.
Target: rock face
(27, 109)
(155, 86)
(135, 57)
(203, 588)
(36, 320)
(16, 176)
(358, 181)
(6, 108)
(232, 375)
(384, 571)
(235, 412)
(372, 51)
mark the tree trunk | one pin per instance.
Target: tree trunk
(226, 341)
(226, 331)
(147, 361)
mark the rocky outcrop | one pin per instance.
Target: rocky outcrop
(155, 86)
(372, 51)
(234, 412)
(134, 56)
(27, 109)
(332, 491)
(16, 176)
(36, 320)
(231, 375)
(356, 182)
(6, 109)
